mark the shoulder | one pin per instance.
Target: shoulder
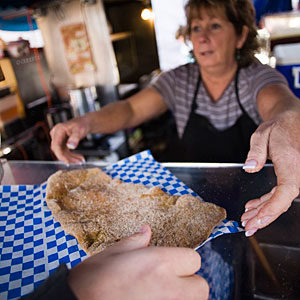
(180, 72)
(260, 73)
(186, 69)
(257, 76)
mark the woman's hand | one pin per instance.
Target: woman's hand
(130, 270)
(119, 115)
(279, 140)
(66, 136)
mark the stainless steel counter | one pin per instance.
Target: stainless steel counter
(266, 266)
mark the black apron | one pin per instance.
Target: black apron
(202, 142)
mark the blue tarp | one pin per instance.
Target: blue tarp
(263, 7)
(17, 24)
(10, 23)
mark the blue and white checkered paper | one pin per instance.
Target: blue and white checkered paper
(33, 244)
(143, 168)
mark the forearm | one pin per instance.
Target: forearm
(109, 119)
(276, 100)
(290, 107)
(280, 110)
(132, 112)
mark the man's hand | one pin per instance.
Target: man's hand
(66, 136)
(278, 140)
(130, 270)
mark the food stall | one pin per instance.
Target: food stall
(261, 267)
(33, 243)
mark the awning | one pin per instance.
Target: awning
(16, 20)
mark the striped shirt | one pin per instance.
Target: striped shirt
(177, 87)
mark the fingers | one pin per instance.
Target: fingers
(136, 241)
(65, 155)
(257, 202)
(59, 135)
(261, 212)
(74, 138)
(195, 287)
(258, 152)
(181, 261)
(275, 139)
(72, 158)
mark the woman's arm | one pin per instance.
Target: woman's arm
(128, 113)
(278, 139)
(276, 99)
(119, 115)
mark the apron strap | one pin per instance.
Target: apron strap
(194, 105)
(236, 83)
(236, 80)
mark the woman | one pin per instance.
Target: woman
(212, 99)
(218, 102)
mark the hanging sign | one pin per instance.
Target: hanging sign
(77, 48)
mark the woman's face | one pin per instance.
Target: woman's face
(215, 40)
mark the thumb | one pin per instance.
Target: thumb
(138, 240)
(73, 140)
(258, 153)
(77, 131)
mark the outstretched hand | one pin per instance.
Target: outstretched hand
(66, 137)
(130, 270)
(278, 140)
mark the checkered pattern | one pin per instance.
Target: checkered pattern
(217, 272)
(143, 168)
(33, 244)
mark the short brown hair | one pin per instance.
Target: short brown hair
(238, 12)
